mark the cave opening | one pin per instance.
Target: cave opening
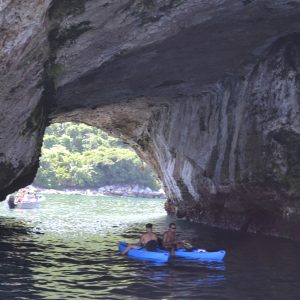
(87, 181)
(79, 157)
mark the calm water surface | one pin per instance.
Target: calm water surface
(67, 249)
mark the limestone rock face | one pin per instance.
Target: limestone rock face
(207, 92)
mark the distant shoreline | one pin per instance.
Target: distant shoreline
(125, 191)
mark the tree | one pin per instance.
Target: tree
(80, 156)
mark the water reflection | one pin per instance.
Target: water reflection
(67, 250)
(16, 247)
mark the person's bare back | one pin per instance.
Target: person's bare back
(148, 236)
(144, 240)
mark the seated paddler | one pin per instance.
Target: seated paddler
(148, 240)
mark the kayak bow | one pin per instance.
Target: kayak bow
(200, 254)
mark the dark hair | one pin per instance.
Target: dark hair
(172, 224)
(148, 225)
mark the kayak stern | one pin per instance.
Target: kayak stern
(143, 254)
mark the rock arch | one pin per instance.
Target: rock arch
(206, 92)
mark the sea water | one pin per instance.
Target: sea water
(67, 249)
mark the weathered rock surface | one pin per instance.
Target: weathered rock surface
(207, 92)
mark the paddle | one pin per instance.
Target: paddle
(189, 247)
(185, 244)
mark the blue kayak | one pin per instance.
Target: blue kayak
(142, 253)
(200, 254)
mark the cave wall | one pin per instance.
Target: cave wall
(205, 91)
(228, 157)
(232, 153)
(23, 113)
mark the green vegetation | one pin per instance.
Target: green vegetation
(80, 156)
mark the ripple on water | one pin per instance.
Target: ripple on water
(67, 249)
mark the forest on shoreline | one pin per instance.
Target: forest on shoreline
(84, 157)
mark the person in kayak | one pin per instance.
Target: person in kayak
(169, 240)
(147, 240)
